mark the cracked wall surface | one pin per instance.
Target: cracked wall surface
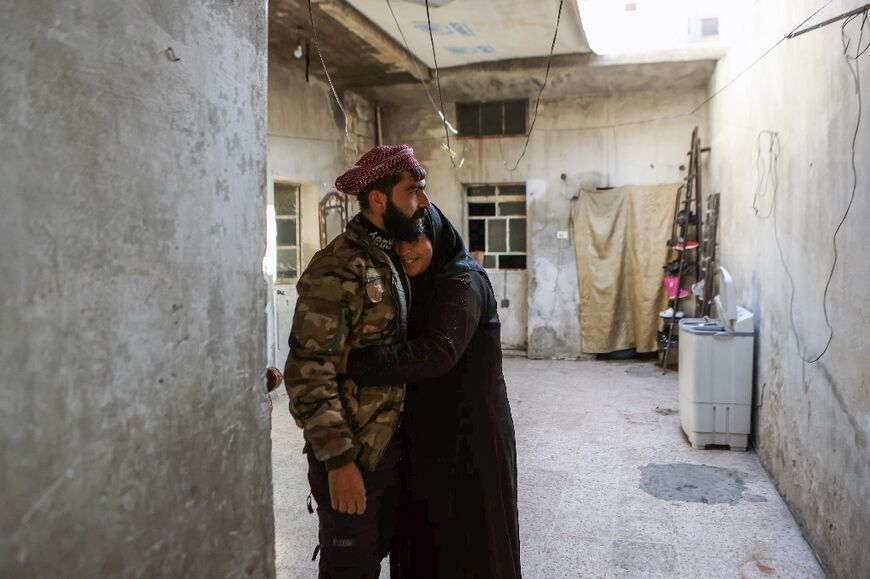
(812, 421)
(605, 140)
(307, 146)
(134, 427)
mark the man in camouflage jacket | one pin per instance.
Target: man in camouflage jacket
(353, 294)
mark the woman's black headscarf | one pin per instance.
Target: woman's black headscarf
(449, 255)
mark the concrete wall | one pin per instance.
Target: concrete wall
(813, 420)
(306, 146)
(592, 140)
(134, 430)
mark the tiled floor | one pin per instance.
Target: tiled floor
(584, 432)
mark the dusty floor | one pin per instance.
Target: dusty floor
(598, 442)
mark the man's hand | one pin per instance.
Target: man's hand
(347, 491)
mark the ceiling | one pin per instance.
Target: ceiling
(472, 31)
(578, 75)
(356, 52)
(363, 50)
(362, 46)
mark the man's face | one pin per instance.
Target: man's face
(406, 206)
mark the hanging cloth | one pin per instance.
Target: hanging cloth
(620, 238)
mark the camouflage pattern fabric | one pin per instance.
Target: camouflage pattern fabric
(350, 296)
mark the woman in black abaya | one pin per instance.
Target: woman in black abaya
(458, 515)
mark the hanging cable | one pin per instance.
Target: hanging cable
(448, 126)
(326, 72)
(543, 86)
(547, 73)
(682, 115)
(691, 113)
(642, 121)
(419, 72)
(774, 144)
(759, 59)
(854, 69)
(858, 10)
(438, 84)
(770, 176)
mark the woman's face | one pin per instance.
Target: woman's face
(416, 256)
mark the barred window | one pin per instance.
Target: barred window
(497, 224)
(287, 227)
(483, 119)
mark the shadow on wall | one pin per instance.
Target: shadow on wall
(757, 389)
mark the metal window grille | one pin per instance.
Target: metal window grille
(497, 227)
(287, 228)
(493, 118)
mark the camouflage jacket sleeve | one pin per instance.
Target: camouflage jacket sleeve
(455, 313)
(329, 297)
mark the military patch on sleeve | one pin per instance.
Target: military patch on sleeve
(374, 285)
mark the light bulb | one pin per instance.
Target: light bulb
(298, 52)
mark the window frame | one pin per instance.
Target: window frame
(497, 199)
(503, 105)
(714, 20)
(287, 217)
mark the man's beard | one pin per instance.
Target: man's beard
(400, 226)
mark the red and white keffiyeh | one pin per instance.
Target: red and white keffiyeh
(378, 163)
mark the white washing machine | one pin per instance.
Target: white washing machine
(716, 373)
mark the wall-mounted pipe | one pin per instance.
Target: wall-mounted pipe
(379, 128)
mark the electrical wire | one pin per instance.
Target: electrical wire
(771, 175)
(447, 125)
(543, 86)
(326, 72)
(856, 75)
(693, 112)
(417, 67)
(662, 118)
(760, 58)
(847, 42)
(855, 71)
(438, 81)
(589, 128)
(782, 260)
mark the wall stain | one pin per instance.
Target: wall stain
(860, 433)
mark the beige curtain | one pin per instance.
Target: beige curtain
(620, 238)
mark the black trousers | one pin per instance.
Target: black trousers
(353, 546)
